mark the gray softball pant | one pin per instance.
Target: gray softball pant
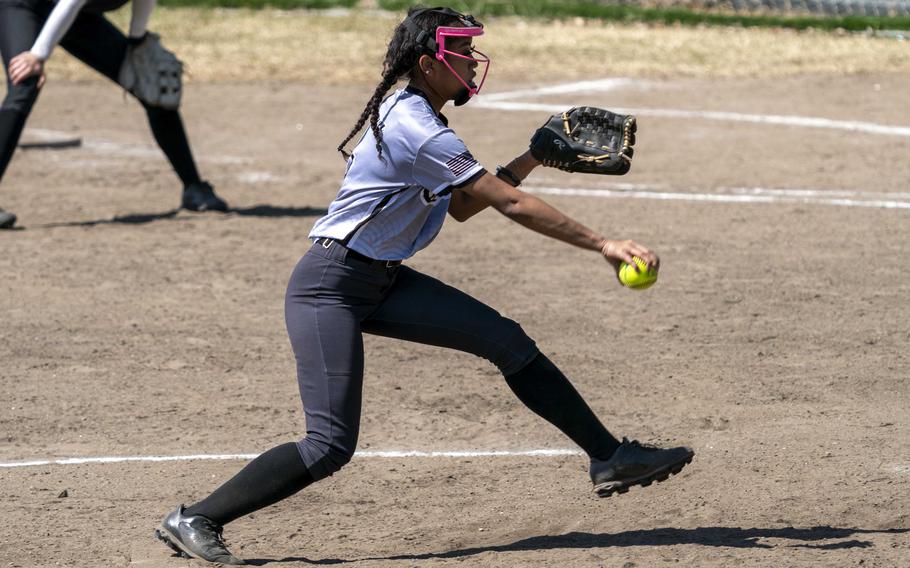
(333, 298)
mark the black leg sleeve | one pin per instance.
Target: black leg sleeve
(100, 45)
(168, 130)
(543, 388)
(271, 477)
(19, 26)
(11, 125)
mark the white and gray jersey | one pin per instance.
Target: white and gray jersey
(390, 208)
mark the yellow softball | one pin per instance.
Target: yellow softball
(644, 278)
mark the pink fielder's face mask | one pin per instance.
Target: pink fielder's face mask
(441, 52)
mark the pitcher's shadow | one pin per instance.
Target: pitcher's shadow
(262, 210)
(732, 537)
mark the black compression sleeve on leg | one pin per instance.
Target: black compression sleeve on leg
(167, 127)
(543, 388)
(11, 124)
(271, 477)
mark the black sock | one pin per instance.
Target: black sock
(271, 477)
(171, 137)
(544, 389)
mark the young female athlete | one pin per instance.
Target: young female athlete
(406, 173)
(29, 30)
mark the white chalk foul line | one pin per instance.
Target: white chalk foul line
(814, 193)
(362, 455)
(785, 120)
(598, 85)
(806, 199)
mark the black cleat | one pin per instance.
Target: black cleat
(634, 463)
(195, 537)
(7, 219)
(200, 196)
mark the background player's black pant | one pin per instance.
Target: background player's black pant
(97, 43)
(331, 300)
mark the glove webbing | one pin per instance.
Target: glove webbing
(626, 127)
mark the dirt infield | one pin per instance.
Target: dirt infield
(775, 343)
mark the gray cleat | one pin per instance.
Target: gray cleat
(7, 219)
(195, 537)
(637, 464)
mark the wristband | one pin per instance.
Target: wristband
(134, 41)
(506, 175)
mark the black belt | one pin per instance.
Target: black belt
(327, 242)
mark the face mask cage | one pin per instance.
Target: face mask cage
(437, 46)
(476, 57)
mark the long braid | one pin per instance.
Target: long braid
(372, 108)
(401, 58)
(389, 78)
(371, 111)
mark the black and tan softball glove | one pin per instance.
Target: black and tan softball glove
(587, 140)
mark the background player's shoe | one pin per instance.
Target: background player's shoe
(637, 464)
(200, 196)
(195, 537)
(7, 219)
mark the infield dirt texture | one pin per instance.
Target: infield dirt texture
(775, 343)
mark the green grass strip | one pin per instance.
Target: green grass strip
(617, 13)
(256, 4)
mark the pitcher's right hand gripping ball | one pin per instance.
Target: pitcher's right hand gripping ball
(152, 73)
(588, 140)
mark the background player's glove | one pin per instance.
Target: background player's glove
(152, 73)
(586, 139)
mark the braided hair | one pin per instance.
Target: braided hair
(400, 60)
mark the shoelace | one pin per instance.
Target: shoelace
(218, 531)
(637, 444)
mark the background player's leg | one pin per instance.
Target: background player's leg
(101, 46)
(167, 128)
(424, 310)
(19, 27)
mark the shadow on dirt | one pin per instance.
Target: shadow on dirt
(172, 215)
(732, 537)
(128, 219)
(273, 211)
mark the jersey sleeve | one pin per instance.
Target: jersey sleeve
(139, 18)
(443, 161)
(56, 26)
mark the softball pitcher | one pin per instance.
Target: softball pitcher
(407, 172)
(29, 30)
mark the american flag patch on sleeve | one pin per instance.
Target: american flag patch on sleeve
(461, 163)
